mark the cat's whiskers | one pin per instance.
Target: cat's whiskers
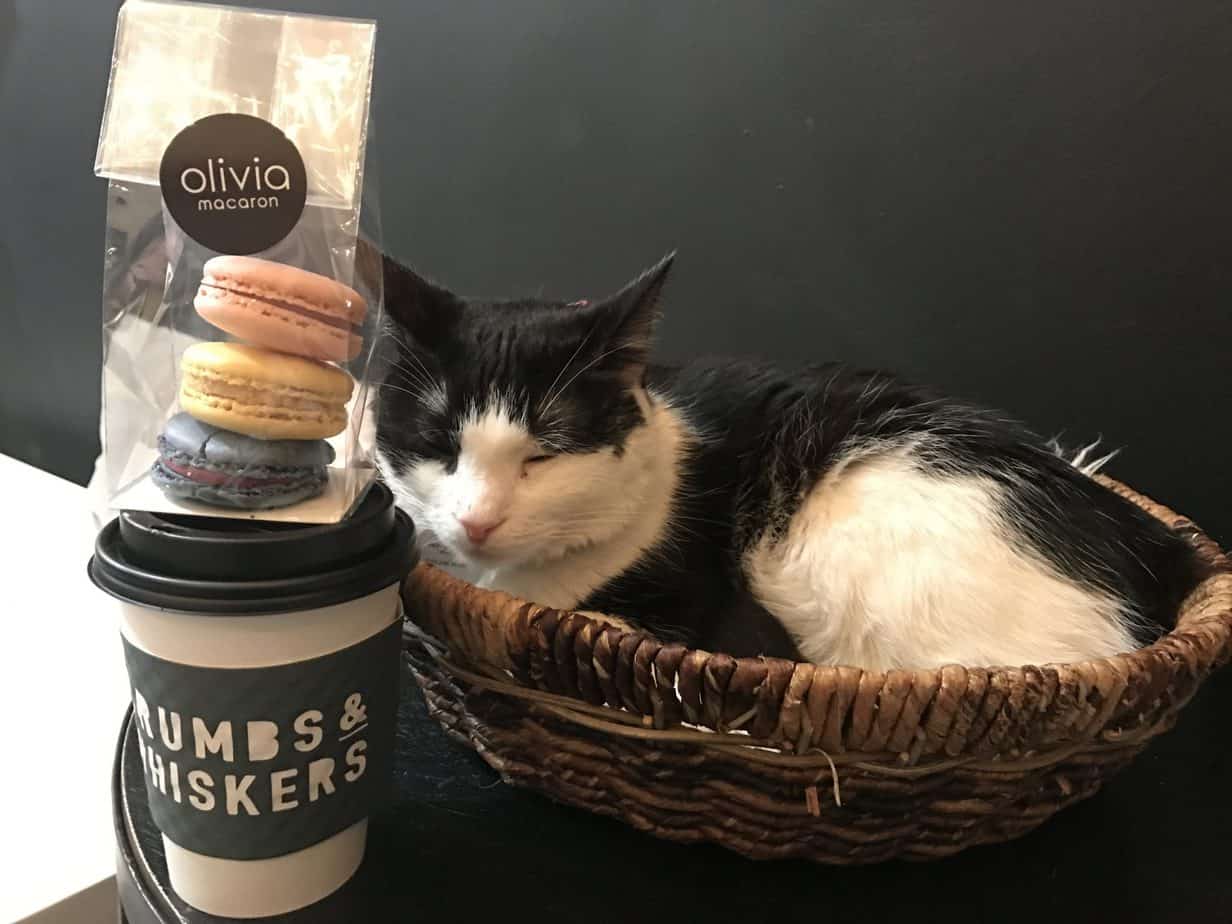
(602, 356)
(407, 352)
(549, 396)
(419, 372)
(426, 391)
(399, 337)
(406, 391)
(412, 375)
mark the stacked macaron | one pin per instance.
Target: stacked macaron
(256, 414)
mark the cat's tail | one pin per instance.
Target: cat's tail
(1141, 559)
(1085, 458)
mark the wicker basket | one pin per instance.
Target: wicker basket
(775, 759)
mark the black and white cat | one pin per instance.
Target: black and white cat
(838, 515)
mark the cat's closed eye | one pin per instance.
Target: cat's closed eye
(535, 461)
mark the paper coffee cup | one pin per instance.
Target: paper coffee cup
(264, 663)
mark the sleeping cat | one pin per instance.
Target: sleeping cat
(836, 515)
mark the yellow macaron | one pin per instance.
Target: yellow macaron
(261, 393)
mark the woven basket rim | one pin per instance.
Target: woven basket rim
(1201, 639)
(1188, 612)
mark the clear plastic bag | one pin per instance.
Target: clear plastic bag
(271, 433)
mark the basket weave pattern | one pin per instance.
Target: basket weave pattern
(777, 759)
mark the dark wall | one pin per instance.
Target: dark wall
(1027, 203)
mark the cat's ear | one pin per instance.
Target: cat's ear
(629, 320)
(422, 308)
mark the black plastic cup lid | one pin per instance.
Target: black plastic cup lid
(225, 566)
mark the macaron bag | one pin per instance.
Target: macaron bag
(242, 286)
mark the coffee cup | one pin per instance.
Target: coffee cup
(264, 664)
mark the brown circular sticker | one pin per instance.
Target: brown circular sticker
(233, 183)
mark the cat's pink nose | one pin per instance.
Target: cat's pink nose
(477, 528)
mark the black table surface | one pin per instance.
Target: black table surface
(458, 844)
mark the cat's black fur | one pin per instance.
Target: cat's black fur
(520, 348)
(768, 437)
(781, 431)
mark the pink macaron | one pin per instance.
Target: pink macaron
(282, 307)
